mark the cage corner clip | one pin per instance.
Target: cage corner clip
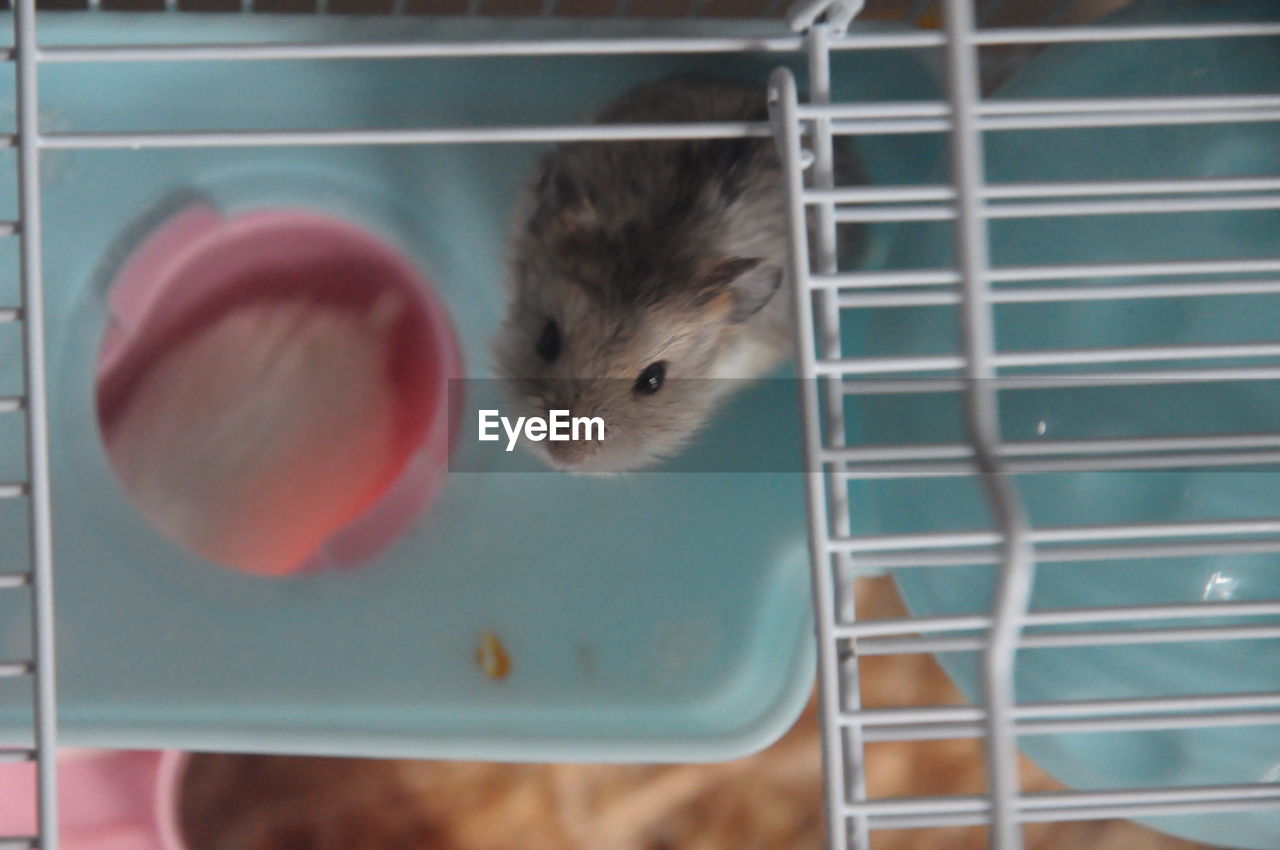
(836, 14)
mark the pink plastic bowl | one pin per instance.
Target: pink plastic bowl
(201, 264)
(107, 799)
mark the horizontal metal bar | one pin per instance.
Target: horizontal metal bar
(908, 386)
(1006, 123)
(1059, 534)
(473, 49)
(1028, 191)
(896, 626)
(10, 314)
(1093, 109)
(890, 126)
(1070, 554)
(1144, 32)
(14, 668)
(1103, 292)
(10, 755)
(19, 843)
(1115, 463)
(1083, 447)
(276, 51)
(1024, 274)
(619, 46)
(1127, 812)
(1066, 801)
(183, 139)
(1057, 294)
(10, 404)
(878, 194)
(1063, 209)
(1058, 357)
(8, 228)
(882, 279)
(13, 581)
(1176, 268)
(860, 111)
(425, 136)
(852, 215)
(12, 491)
(1102, 188)
(913, 645)
(1171, 118)
(1177, 705)
(1141, 723)
(1092, 105)
(1137, 354)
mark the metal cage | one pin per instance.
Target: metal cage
(980, 372)
(804, 131)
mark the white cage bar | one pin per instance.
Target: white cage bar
(39, 577)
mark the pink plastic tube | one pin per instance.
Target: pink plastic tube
(107, 799)
(202, 265)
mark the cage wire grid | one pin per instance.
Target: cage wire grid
(804, 132)
(980, 374)
(38, 578)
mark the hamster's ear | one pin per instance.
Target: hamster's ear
(745, 284)
(558, 203)
(555, 189)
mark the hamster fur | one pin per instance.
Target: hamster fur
(647, 277)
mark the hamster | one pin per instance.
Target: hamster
(647, 276)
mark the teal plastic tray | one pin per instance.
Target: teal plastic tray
(648, 617)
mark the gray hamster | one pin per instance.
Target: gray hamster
(646, 276)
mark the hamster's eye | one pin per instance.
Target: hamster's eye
(548, 345)
(650, 380)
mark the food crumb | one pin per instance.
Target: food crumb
(492, 658)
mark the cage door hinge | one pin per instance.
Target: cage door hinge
(836, 14)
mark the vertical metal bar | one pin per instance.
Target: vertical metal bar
(28, 116)
(982, 417)
(825, 243)
(818, 48)
(786, 128)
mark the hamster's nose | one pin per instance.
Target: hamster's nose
(571, 452)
